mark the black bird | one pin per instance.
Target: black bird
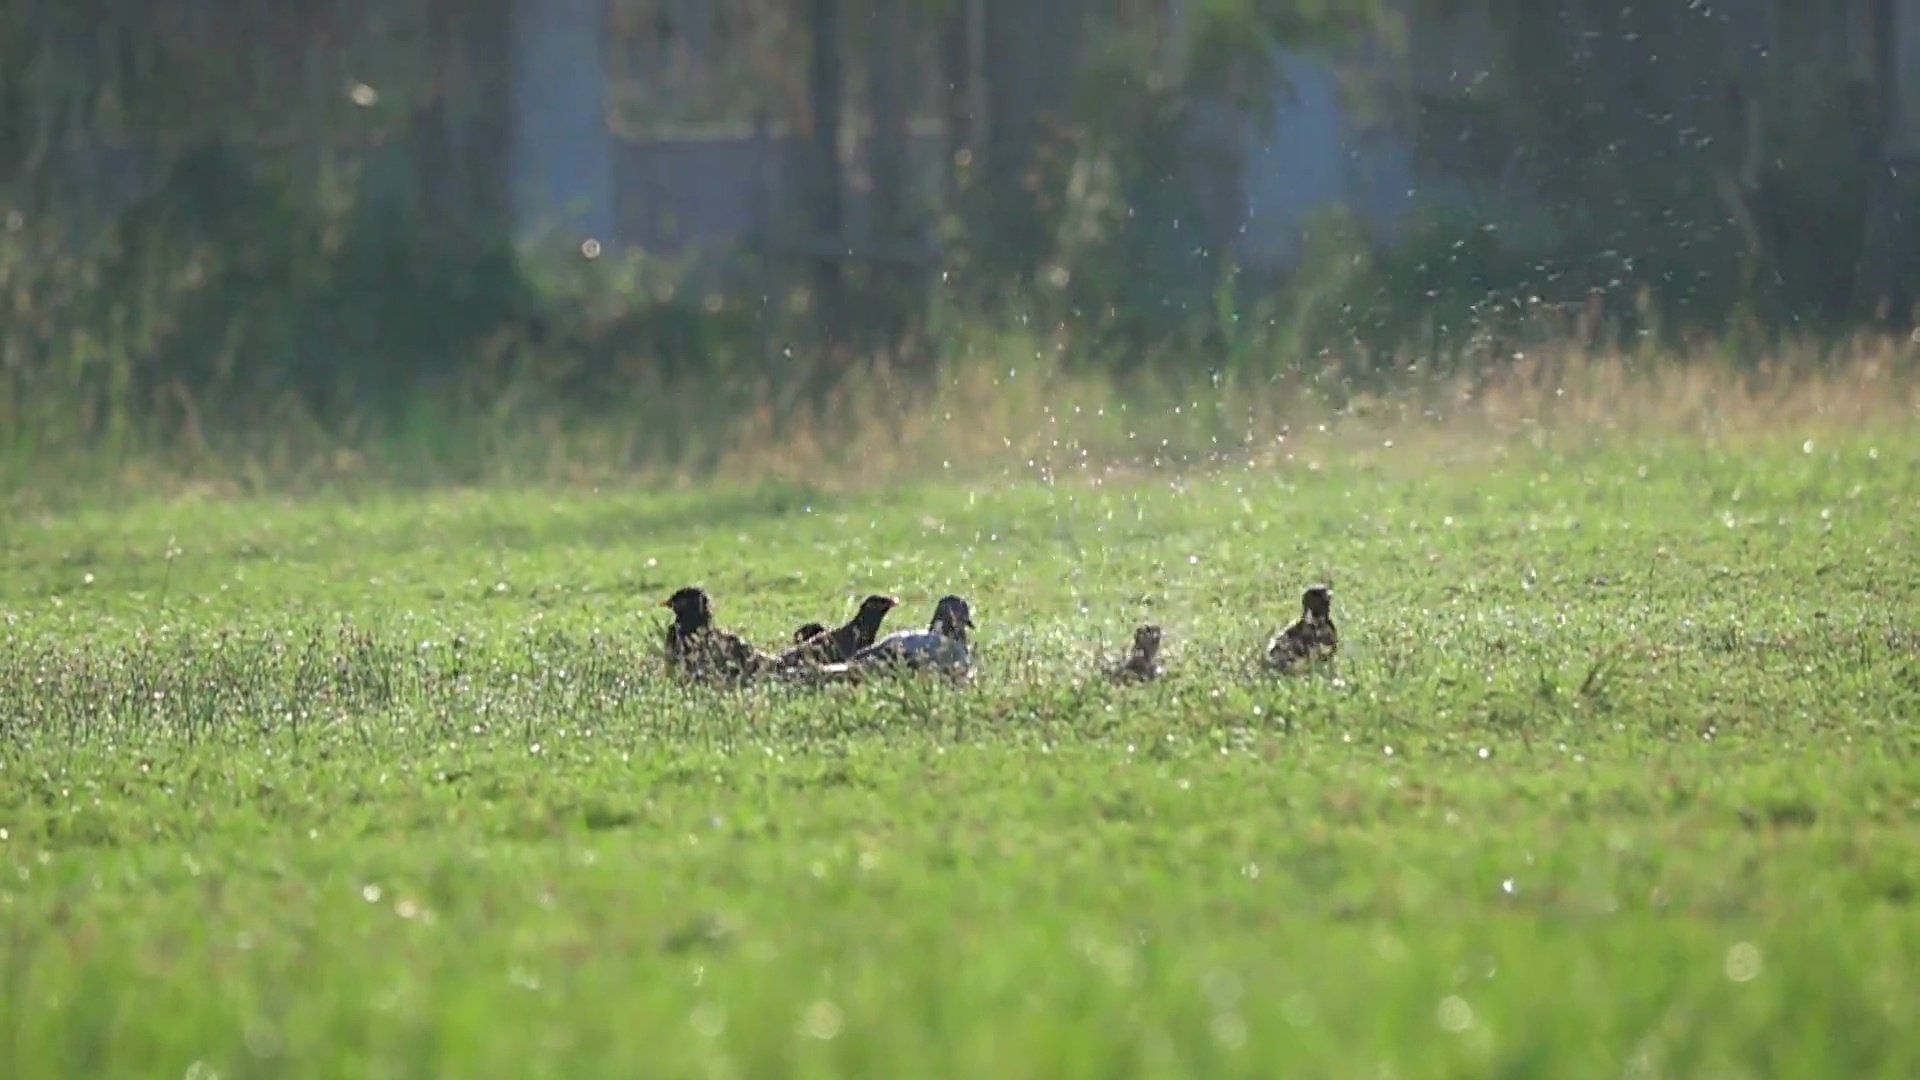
(838, 646)
(1311, 638)
(1143, 662)
(698, 648)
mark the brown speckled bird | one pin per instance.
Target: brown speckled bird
(839, 645)
(697, 648)
(1311, 638)
(1143, 662)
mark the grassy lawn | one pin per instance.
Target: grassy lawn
(1616, 776)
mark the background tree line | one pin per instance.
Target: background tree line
(217, 203)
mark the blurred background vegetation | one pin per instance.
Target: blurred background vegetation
(444, 233)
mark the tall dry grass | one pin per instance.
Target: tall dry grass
(999, 402)
(981, 414)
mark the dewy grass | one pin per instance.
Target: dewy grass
(1615, 775)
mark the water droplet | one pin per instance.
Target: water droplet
(822, 1020)
(1229, 1030)
(1222, 987)
(262, 1039)
(1455, 1014)
(707, 1021)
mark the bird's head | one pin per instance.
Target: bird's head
(875, 607)
(1146, 640)
(952, 617)
(807, 632)
(690, 607)
(1317, 601)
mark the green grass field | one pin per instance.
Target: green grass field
(1616, 776)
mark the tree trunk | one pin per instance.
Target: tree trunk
(1884, 279)
(964, 89)
(562, 152)
(824, 95)
(1031, 60)
(461, 138)
(891, 299)
(887, 59)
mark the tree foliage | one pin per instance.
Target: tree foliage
(261, 199)
(1681, 162)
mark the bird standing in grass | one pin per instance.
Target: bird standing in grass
(700, 649)
(838, 646)
(942, 646)
(1143, 663)
(1311, 638)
